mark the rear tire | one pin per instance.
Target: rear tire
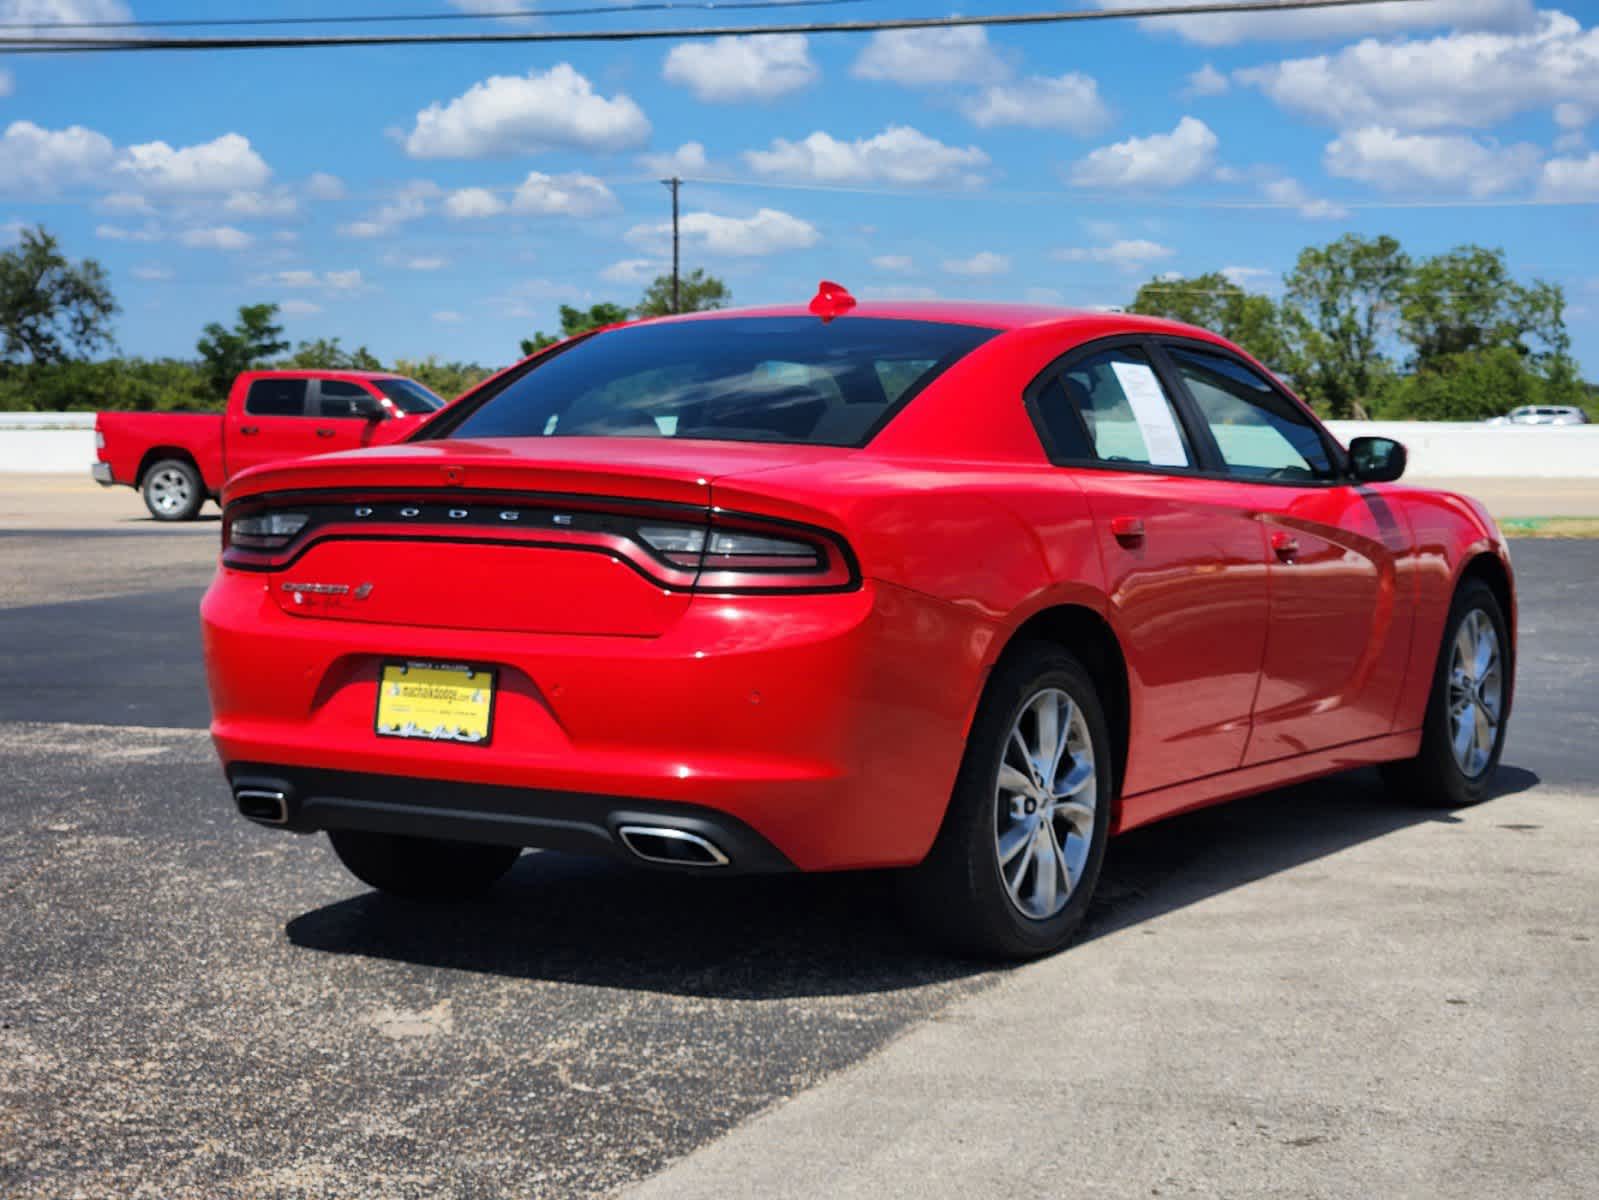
(1456, 764)
(983, 888)
(422, 868)
(173, 490)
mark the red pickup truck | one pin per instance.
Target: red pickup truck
(177, 460)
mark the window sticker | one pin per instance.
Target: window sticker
(1162, 438)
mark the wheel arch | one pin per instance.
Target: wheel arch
(160, 454)
(1488, 567)
(1089, 636)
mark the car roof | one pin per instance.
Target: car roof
(325, 373)
(964, 312)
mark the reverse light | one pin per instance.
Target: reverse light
(264, 531)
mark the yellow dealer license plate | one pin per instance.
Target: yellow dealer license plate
(440, 702)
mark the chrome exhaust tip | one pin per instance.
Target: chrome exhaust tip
(262, 804)
(669, 847)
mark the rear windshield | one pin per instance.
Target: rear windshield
(737, 379)
(409, 396)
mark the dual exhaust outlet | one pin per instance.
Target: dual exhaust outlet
(658, 844)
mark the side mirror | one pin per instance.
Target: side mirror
(367, 408)
(1376, 459)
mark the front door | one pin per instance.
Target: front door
(1338, 633)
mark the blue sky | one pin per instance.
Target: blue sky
(445, 201)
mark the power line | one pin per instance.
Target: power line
(410, 18)
(83, 45)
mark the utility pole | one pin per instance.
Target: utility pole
(674, 183)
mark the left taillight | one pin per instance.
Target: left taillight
(739, 554)
(263, 531)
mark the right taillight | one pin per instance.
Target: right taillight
(747, 554)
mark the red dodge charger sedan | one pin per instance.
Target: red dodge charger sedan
(963, 589)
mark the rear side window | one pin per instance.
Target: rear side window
(1261, 433)
(341, 398)
(276, 398)
(1110, 406)
(742, 379)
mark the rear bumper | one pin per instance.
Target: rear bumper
(829, 726)
(100, 472)
(313, 800)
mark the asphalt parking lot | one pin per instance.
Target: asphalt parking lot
(1315, 992)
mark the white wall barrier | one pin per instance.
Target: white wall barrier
(63, 443)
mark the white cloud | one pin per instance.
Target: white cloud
(512, 11)
(219, 237)
(151, 272)
(328, 281)
(1572, 116)
(1291, 192)
(226, 164)
(899, 263)
(1162, 160)
(1223, 29)
(1070, 102)
(52, 12)
(899, 155)
(633, 271)
(769, 231)
(279, 202)
(116, 233)
(1246, 277)
(44, 160)
(299, 308)
(1207, 81)
(473, 202)
(126, 202)
(982, 264)
(1130, 254)
(418, 262)
(524, 114)
(1429, 163)
(729, 70)
(929, 57)
(687, 159)
(408, 203)
(322, 186)
(1571, 178)
(572, 194)
(1459, 79)
(448, 317)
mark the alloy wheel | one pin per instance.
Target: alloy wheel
(1476, 692)
(169, 490)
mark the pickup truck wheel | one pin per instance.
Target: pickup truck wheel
(420, 868)
(173, 490)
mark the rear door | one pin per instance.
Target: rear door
(1185, 565)
(340, 420)
(273, 425)
(1338, 633)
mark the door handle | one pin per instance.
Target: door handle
(1285, 546)
(324, 433)
(249, 430)
(1129, 531)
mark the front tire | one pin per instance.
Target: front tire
(173, 490)
(1014, 866)
(422, 868)
(1468, 710)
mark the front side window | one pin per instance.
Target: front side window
(276, 398)
(1261, 433)
(341, 398)
(742, 379)
(409, 396)
(1111, 407)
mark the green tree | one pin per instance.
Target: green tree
(1341, 302)
(49, 306)
(448, 379)
(575, 321)
(325, 354)
(1214, 302)
(696, 292)
(1469, 386)
(255, 338)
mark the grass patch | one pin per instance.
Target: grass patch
(1550, 527)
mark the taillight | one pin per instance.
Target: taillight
(678, 547)
(263, 531)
